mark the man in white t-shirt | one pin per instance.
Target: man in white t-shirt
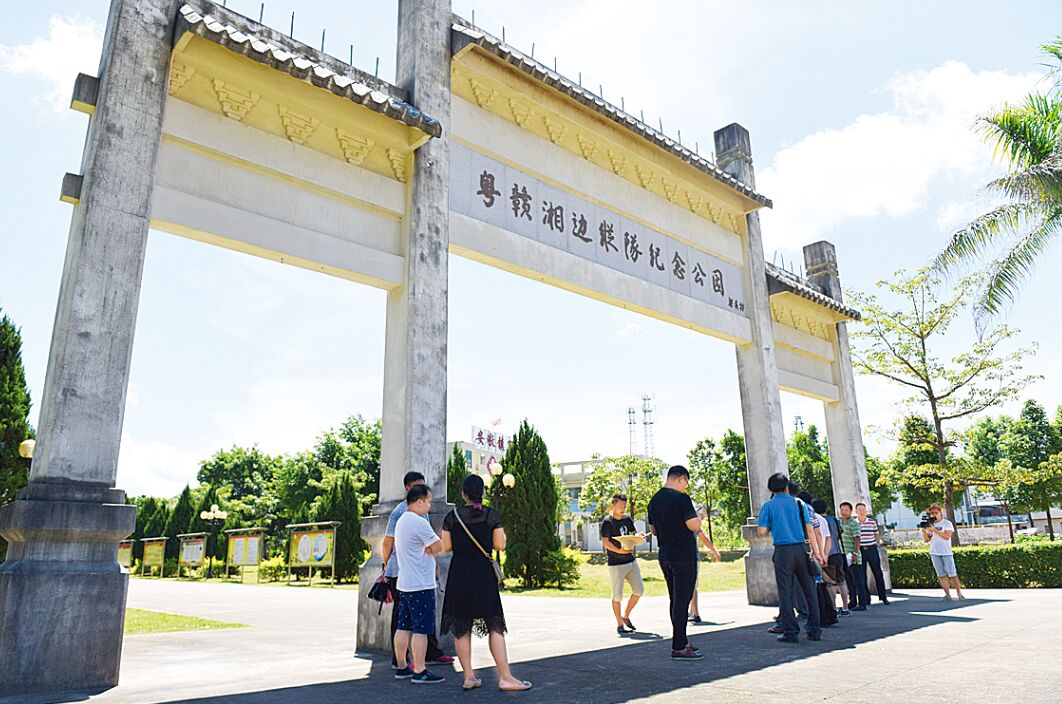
(416, 546)
(938, 535)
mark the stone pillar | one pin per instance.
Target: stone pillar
(761, 407)
(848, 466)
(414, 409)
(62, 591)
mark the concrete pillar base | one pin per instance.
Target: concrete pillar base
(760, 584)
(374, 625)
(62, 591)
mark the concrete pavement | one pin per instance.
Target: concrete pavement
(999, 645)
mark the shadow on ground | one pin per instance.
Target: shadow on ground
(642, 669)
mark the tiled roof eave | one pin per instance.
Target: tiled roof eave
(783, 280)
(243, 41)
(465, 35)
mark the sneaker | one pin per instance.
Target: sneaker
(630, 626)
(404, 673)
(884, 602)
(426, 677)
(442, 660)
(947, 597)
(961, 597)
(621, 630)
(694, 618)
(788, 639)
(775, 629)
(844, 612)
(814, 636)
(859, 608)
(687, 653)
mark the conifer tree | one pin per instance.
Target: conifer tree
(530, 509)
(456, 471)
(340, 502)
(14, 413)
(179, 521)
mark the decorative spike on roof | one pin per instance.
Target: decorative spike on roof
(266, 46)
(779, 280)
(464, 33)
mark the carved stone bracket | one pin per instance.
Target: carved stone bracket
(235, 103)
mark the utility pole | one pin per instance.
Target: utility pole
(647, 424)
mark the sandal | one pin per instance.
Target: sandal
(472, 684)
(526, 686)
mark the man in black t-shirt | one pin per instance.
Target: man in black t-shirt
(622, 567)
(675, 523)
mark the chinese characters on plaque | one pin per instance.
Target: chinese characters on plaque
(491, 192)
(489, 440)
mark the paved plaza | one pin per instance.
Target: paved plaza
(999, 645)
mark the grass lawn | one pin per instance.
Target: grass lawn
(141, 621)
(594, 583)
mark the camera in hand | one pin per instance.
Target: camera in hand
(925, 520)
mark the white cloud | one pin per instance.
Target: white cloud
(156, 468)
(886, 164)
(73, 45)
(630, 330)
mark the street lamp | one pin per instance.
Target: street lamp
(509, 481)
(26, 448)
(214, 517)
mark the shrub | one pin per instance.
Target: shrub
(561, 568)
(273, 570)
(1031, 564)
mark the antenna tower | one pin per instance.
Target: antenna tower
(632, 423)
(647, 423)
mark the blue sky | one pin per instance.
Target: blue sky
(860, 118)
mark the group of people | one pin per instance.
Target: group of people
(818, 557)
(472, 603)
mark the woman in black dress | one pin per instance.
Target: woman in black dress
(472, 602)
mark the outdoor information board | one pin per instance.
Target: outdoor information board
(154, 554)
(192, 552)
(312, 545)
(125, 553)
(244, 548)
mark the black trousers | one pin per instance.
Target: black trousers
(433, 642)
(681, 578)
(858, 594)
(791, 561)
(872, 559)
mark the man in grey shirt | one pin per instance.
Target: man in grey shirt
(434, 656)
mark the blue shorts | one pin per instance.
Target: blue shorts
(416, 612)
(944, 565)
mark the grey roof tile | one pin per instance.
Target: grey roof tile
(779, 280)
(463, 34)
(266, 46)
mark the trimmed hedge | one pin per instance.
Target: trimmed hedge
(984, 566)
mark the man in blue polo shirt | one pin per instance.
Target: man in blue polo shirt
(790, 528)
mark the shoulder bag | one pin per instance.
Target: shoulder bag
(494, 563)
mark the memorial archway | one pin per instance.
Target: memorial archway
(211, 126)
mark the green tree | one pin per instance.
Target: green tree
(1016, 233)
(340, 502)
(531, 509)
(456, 471)
(1029, 444)
(243, 472)
(638, 478)
(732, 481)
(155, 526)
(881, 494)
(897, 344)
(983, 447)
(702, 460)
(912, 451)
(179, 521)
(14, 415)
(354, 446)
(809, 464)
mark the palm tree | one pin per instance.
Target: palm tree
(1029, 137)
